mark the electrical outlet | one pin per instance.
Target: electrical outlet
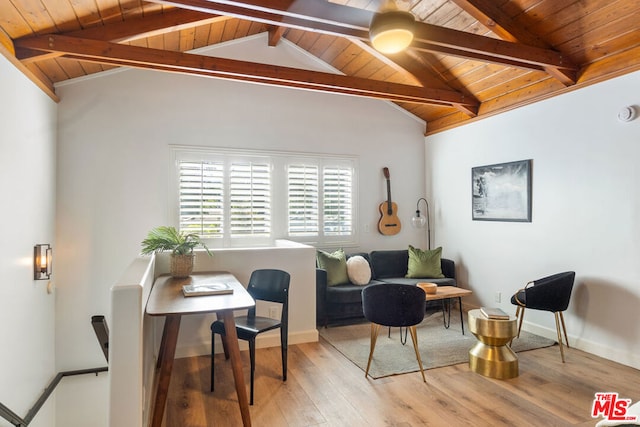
(498, 297)
(273, 312)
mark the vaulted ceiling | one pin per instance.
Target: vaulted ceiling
(470, 58)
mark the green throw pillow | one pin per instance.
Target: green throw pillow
(424, 264)
(336, 266)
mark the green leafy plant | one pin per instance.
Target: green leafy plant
(161, 239)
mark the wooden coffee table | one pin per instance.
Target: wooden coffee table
(445, 294)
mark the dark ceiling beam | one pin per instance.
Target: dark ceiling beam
(417, 67)
(186, 63)
(277, 14)
(132, 29)
(275, 34)
(7, 49)
(338, 20)
(494, 19)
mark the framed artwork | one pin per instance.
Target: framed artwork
(501, 192)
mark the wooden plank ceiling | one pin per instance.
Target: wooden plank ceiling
(470, 58)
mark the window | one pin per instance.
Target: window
(337, 201)
(303, 204)
(251, 198)
(201, 189)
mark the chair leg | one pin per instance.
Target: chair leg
(374, 337)
(414, 338)
(559, 336)
(519, 312)
(520, 315)
(213, 336)
(284, 342)
(252, 360)
(564, 329)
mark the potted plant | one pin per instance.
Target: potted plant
(181, 245)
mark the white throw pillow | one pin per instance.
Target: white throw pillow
(358, 270)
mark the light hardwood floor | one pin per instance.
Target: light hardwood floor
(325, 389)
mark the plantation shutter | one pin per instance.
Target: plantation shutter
(249, 198)
(303, 199)
(201, 195)
(337, 184)
(244, 198)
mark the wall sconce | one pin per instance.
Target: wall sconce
(42, 257)
(418, 221)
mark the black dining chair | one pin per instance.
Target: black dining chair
(264, 285)
(394, 305)
(551, 293)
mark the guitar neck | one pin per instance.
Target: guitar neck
(389, 208)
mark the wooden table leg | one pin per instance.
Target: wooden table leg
(461, 318)
(165, 365)
(163, 344)
(236, 364)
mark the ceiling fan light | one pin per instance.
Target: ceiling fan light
(391, 32)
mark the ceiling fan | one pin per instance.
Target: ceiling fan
(391, 29)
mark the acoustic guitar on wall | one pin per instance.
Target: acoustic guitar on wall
(389, 223)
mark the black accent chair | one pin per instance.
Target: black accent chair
(397, 305)
(551, 293)
(266, 285)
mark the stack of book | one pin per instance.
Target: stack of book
(198, 289)
(494, 313)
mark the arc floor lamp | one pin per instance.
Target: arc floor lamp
(419, 221)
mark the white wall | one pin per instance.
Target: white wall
(114, 137)
(27, 189)
(131, 349)
(296, 259)
(586, 211)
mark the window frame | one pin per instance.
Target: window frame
(279, 161)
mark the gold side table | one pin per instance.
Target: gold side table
(492, 356)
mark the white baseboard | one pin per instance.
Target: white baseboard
(616, 355)
(271, 339)
(623, 357)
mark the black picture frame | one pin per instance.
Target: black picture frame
(502, 192)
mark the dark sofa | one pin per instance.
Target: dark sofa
(343, 303)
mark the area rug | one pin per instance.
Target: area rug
(438, 346)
